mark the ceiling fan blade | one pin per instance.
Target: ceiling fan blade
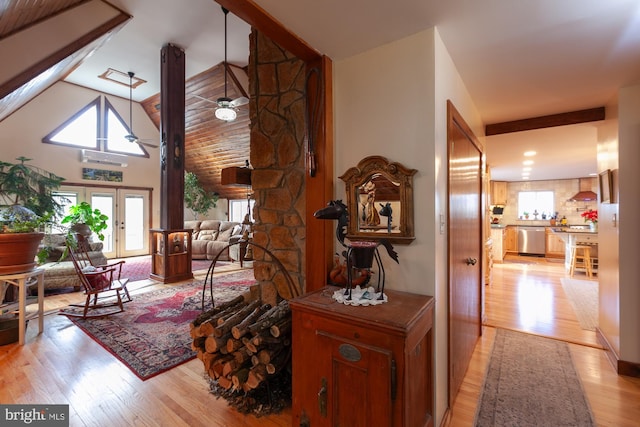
(243, 100)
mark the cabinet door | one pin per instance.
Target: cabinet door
(511, 241)
(555, 245)
(498, 193)
(358, 386)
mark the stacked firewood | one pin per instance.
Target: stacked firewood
(242, 343)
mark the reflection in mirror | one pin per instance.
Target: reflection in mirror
(378, 205)
(380, 200)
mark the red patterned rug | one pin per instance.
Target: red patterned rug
(139, 268)
(152, 336)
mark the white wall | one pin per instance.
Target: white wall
(391, 101)
(22, 132)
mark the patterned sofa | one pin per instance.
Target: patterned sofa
(211, 236)
(60, 274)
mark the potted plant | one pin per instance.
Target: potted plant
(84, 220)
(26, 204)
(196, 198)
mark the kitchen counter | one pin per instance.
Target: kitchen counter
(572, 236)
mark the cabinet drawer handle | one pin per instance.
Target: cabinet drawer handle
(322, 398)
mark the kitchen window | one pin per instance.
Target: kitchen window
(535, 204)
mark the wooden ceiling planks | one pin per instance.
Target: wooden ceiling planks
(210, 144)
(19, 14)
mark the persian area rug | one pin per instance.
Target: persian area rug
(139, 268)
(583, 296)
(152, 335)
(531, 381)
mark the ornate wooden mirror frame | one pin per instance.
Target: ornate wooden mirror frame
(372, 185)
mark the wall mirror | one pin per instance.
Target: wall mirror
(380, 200)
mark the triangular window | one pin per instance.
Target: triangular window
(116, 132)
(81, 130)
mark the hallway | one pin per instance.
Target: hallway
(526, 295)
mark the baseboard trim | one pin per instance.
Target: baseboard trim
(622, 367)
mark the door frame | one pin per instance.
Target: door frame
(455, 119)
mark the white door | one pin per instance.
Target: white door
(132, 228)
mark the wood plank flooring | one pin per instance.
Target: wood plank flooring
(526, 295)
(65, 366)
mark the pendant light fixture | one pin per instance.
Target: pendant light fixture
(131, 137)
(225, 110)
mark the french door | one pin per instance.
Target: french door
(127, 233)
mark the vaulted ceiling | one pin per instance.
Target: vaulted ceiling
(210, 144)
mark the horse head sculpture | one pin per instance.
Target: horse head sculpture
(385, 210)
(360, 253)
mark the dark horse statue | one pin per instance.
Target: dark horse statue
(385, 210)
(359, 254)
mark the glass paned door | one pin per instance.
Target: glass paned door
(133, 228)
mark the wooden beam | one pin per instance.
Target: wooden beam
(258, 18)
(562, 119)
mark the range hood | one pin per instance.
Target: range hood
(585, 194)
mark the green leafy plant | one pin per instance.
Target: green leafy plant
(26, 196)
(83, 214)
(196, 198)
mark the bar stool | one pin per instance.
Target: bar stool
(581, 258)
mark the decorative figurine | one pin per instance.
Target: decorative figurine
(359, 254)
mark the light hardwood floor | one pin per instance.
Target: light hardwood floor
(65, 366)
(526, 295)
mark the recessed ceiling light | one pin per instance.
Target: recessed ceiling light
(526, 169)
(527, 162)
(529, 153)
(525, 177)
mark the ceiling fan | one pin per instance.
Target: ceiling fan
(227, 107)
(131, 137)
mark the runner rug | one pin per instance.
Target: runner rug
(583, 296)
(152, 336)
(531, 381)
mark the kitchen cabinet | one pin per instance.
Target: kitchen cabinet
(511, 239)
(555, 246)
(498, 193)
(362, 366)
(498, 237)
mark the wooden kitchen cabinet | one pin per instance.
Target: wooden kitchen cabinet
(498, 193)
(511, 239)
(555, 246)
(499, 237)
(362, 366)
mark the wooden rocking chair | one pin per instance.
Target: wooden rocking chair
(100, 283)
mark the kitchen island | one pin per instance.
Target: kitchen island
(578, 236)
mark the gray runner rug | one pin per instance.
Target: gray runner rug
(531, 381)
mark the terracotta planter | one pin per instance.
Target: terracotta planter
(18, 251)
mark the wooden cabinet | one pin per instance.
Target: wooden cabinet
(511, 239)
(499, 237)
(498, 193)
(362, 366)
(171, 255)
(555, 246)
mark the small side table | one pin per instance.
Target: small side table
(20, 280)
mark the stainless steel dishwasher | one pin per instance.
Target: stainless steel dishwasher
(531, 240)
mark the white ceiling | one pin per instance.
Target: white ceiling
(518, 59)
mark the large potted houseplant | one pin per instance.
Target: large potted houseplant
(26, 205)
(196, 198)
(85, 221)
